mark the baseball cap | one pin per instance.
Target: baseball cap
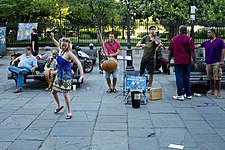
(47, 48)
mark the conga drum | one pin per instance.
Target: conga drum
(109, 65)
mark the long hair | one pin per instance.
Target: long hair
(64, 39)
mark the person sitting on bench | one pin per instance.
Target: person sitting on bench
(47, 54)
(27, 65)
(50, 70)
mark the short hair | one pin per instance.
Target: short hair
(28, 48)
(35, 30)
(111, 33)
(212, 30)
(152, 26)
(55, 51)
(183, 29)
(47, 48)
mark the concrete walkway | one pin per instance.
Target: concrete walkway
(102, 122)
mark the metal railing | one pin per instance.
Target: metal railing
(85, 33)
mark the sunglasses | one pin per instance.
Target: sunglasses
(65, 40)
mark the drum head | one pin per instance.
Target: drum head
(109, 65)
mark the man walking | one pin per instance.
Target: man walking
(214, 58)
(182, 49)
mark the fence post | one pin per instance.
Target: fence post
(130, 66)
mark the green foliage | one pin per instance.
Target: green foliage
(201, 33)
(178, 10)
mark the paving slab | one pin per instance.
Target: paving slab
(109, 126)
(25, 144)
(161, 108)
(178, 136)
(66, 143)
(199, 127)
(209, 141)
(17, 122)
(112, 119)
(189, 114)
(72, 129)
(141, 132)
(10, 135)
(34, 134)
(105, 140)
(166, 120)
(136, 143)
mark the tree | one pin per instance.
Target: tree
(176, 12)
(41, 10)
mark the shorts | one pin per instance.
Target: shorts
(115, 73)
(214, 72)
(149, 65)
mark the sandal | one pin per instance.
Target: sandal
(114, 91)
(109, 91)
(58, 109)
(69, 116)
(219, 97)
(211, 94)
(47, 89)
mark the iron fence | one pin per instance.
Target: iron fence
(84, 33)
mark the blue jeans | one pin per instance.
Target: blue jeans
(182, 72)
(20, 79)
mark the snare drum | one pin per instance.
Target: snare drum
(109, 64)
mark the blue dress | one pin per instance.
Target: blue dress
(63, 80)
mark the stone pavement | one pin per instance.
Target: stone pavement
(102, 122)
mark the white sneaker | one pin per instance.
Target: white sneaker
(181, 98)
(188, 97)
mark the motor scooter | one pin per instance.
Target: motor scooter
(86, 61)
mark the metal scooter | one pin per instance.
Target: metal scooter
(86, 61)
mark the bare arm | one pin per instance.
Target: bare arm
(13, 62)
(139, 44)
(32, 46)
(198, 46)
(222, 58)
(115, 54)
(170, 55)
(54, 40)
(34, 68)
(74, 58)
(193, 55)
(223, 53)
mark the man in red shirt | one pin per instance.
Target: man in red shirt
(182, 49)
(112, 49)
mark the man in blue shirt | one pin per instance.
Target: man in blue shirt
(27, 65)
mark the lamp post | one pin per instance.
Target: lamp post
(129, 51)
(192, 17)
(60, 19)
